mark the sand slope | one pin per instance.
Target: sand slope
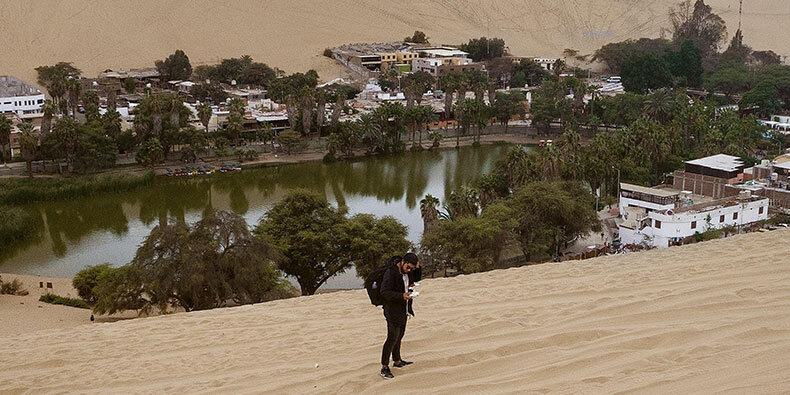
(101, 34)
(713, 317)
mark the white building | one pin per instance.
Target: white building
(431, 65)
(20, 98)
(441, 52)
(547, 63)
(777, 122)
(662, 228)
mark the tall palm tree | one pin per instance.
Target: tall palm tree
(28, 143)
(73, 88)
(50, 109)
(112, 123)
(429, 209)
(5, 137)
(425, 116)
(204, 114)
(449, 84)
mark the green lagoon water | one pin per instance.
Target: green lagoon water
(109, 228)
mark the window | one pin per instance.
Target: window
(761, 210)
(693, 224)
(721, 219)
(658, 224)
(734, 216)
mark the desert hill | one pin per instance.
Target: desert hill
(101, 34)
(705, 318)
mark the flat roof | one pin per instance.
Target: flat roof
(648, 191)
(444, 52)
(718, 162)
(783, 165)
(11, 86)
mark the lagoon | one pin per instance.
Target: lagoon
(108, 228)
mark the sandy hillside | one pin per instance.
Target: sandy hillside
(101, 34)
(707, 318)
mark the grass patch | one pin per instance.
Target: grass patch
(15, 225)
(25, 190)
(55, 299)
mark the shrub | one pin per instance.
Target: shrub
(87, 279)
(12, 288)
(328, 53)
(55, 299)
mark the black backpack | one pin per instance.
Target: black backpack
(373, 285)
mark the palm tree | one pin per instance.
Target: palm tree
(425, 116)
(429, 211)
(112, 122)
(5, 136)
(50, 109)
(449, 83)
(204, 114)
(660, 104)
(320, 98)
(73, 88)
(28, 142)
(306, 95)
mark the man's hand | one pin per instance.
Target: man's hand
(406, 296)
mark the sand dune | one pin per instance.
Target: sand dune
(707, 318)
(101, 34)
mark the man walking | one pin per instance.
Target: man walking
(395, 291)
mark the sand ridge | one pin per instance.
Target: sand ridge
(711, 317)
(101, 34)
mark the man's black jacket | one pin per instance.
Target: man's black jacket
(392, 290)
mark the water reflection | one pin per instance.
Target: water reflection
(109, 228)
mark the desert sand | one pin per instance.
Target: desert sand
(706, 318)
(101, 34)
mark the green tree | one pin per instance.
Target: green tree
(697, 24)
(449, 83)
(643, 73)
(28, 144)
(472, 244)
(235, 120)
(485, 48)
(764, 96)
(150, 153)
(291, 141)
(204, 114)
(129, 85)
(53, 78)
(319, 241)
(210, 264)
(345, 139)
(175, 66)
(548, 214)
(418, 38)
(86, 280)
(507, 105)
(371, 241)
(429, 211)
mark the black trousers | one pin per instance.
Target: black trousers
(395, 333)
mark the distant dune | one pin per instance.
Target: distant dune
(101, 34)
(706, 318)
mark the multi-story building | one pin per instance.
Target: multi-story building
(667, 226)
(20, 98)
(708, 176)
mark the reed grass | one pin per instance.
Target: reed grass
(23, 190)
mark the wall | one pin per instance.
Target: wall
(626, 202)
(700, 184)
